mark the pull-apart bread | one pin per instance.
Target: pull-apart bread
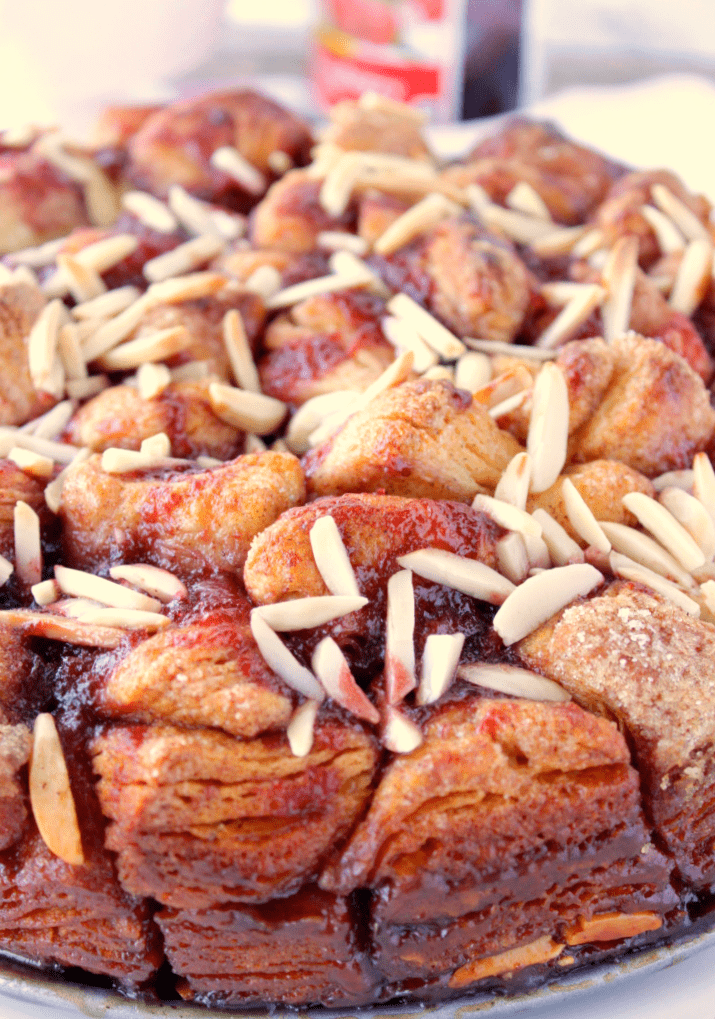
(357, 557)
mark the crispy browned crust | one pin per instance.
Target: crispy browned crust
(20, 305)
(15, 745)
(290, 217)
(37, 201)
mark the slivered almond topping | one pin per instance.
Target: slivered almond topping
(28, 546)
(157, 346)
(665, 528)
(98, 257)
(87, 585)
(466, 575)
(399, 638)
(542, 950)
(239, 352)
(331, 558)
(427, 213)
(231, 162)
(645, 551)
(213, 461)
(82, 389)
(707, 591)
(472, 371)
(438, 372)
(254, 444)
(301, 728)
(507, 515)
(51, 797)
(524, 198)
(333, 671)
(548, 429)
(69, 631)
(110, 333)
(380, 103)
(511, 404)
(59, 451)
(192, 371)
(693, 277)
(46, 592)
(704, 482)
(429, 328)
(69, 349)
(191, 287)
(278, 658)
(152, 380)
(512, 557)
(403, 336)
(686, 221)
(340, 240)
(670, 238)
(83, 282)
(562, 292)
(157, 445)
(439, 665)
(518, 227)
(199, 217)
(572, 316)
(38, 257)
(675, 479)
(542, 596)
(513, 485)
(279, 161)
(31, 463)
(125, 619)
(510, 679)
(399, 733)
(252, 412)
(591, 241)
(560, 241)
(124, 461)
(306, 613)
(51, 424)
(101, 200)
(537, 552)
(265, 281)
(373, 169)
(184, 258)
(6, 570)
(150, 211)
(53, 491)
(312, 413)
(692, 515)
(624, 567)
(74, 607)
(510, 349)
(619, 277)
(321, 285)
(611, 927)
(42, 350)
(582, 519)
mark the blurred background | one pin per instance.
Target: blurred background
(460, 59)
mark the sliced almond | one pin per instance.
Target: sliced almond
(192, 371)
(158, 445)
(472, 371)
(183, 258)
(517, 226)
(511, 404)
(624, 567)
(707, 591)
(83, 389)
(693, 278)
(301, 728)
(507, 515)
(561, 292)
(399, 637)
(279, 161)
(524, 198)
(611, 927)
(278, 658)
(69, 631)
(440, 372)
(560, 241)
(264, 281)
(46, 592)
(28, 546)
(191, 287)
(156, 346)
(125, 619)
(126, 461)
(311, 415)
(333, 671)
(83, 282)
(403, 336)
(513, 485)
(31, 463)
(87, 585)
(115, 330)
(543, 950)
(51, 797)
(513, 382)
(686, 220)
(239, 352)
(53, 491)
(60, 451)
(40, 256)
(496, 347)
(582, 519)
(340, 240)
(233, 163)
(548, 429)
(435, 335)
(69, 348)
(74, 607)
(306, 613)
(152, 380)
(6, 570)
(466, 575)
(252, 412)
(675, 479)
(665, 528)
(516, 682)
(513, 558)
(399, 733)
(151, 211)
(670, 238)
(571, 317)
(542, 596)
(42, 349)
(427, 213)
(704, 482)
(331, 558)
(692, 515)
(439, 665)
(619, 276)
(160, 584)
(199, 217)
(321, 285)
(645, 551)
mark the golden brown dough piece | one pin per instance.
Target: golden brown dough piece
(654, 414)
(16, 485)
(454, 843)
(290, 217)
(640, 659)
(205, 671)
(296, 951)
(174, 145)
(15, 745)
(121, 417)
(200, 818)
(421, 439)
(324, 344)
(184, 522)
(355, 127)
(602, 483)
(20, 305)
(17, 693)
